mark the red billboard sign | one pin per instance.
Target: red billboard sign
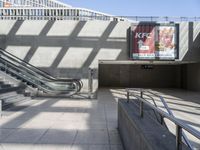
(153, 41)
(143, 41)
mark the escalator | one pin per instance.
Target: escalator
(37, 78)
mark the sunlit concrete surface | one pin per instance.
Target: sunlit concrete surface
(62, 124)
(84, 124)
(185, 106)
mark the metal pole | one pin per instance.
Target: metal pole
(141, 109)
(141, 105)
(90, 82)
(128, 96)
(161, 120)
(1, 108)
(178, 137)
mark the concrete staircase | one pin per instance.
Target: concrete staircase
(167, 123)
(12, 93)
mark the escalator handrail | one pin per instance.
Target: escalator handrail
(28, 70)
(45, 74)
(18, 59)
(38, 71)
(41, 87)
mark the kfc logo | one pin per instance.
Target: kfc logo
(142, 35)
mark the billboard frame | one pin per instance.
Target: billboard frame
(156, 24)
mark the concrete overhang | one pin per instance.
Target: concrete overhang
(146, 62)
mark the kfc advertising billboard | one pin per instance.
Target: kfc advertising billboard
(151, 41)
(143, 42)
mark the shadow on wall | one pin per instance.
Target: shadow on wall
(190, 41)
(65, 48)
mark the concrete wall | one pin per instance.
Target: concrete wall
(68, 48)
(65, 48)
(189, 41)
(143, 133)
(162, 76)
(192, 76)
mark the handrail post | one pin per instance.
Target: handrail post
(141, 109)
(5, 67)
(1, 107)
(161, 120)
(128, 96)
(90, 82)
(178, 137)
(141, 104)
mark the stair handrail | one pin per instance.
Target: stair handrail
(169, 115)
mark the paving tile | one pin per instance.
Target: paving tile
(52, 124)
(4, 133)
(92, 137)
(78, 125)
(114, 137)
(99, 147)
(111, 115)
(24, 136)
(112, 125)
(48, 116)
(74, 116)
(74, 104)
(97, 117)
(58, 137)
(90, 147)
(116, 147)
(11, 124)
(1, 147)
(16, 146)
(80, 147)
(51, 147)
(36, 123)
(97, 125)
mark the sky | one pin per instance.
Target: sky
(184, 8)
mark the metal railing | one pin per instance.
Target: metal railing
(30, 13)
(33, 3)
(169, 115)
(62, 13)
(160, 18)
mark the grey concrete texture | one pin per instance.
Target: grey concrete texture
(184, 105)
(68, 48)
(162, 76)
(62, 124)
(191, 76)
(65, 48)
(189, 39)
(142, 133)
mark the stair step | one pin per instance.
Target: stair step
(7, 90)
(2, 82)
(5, 86)
(13, 100)
(14, 104)
(9, 94)
(12, 97)
(10, 109)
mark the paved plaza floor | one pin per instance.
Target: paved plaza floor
(63, 124)
(81, 124)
